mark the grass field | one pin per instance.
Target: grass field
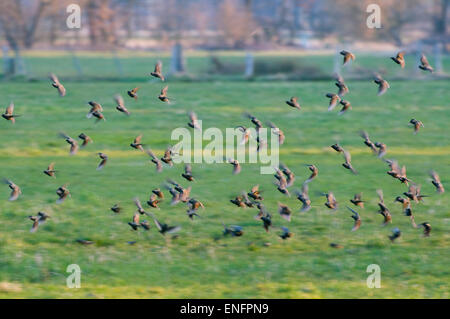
(33, 265)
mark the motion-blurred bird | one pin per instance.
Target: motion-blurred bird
(193, 121)
(188, 172)
(384, 211)
(167, 157)
(96, 111)
(62, 192)
(86, 139)
(314, 172)
(347, 56)
(254, 193)
(290, 177)
(163, 95)
(135, 223)
(396, 233)
(331, 202)
(368, 142)
(258, 124)
(120, 104)
(356, 218)
(50, 171)
(238, 201)
(233, 230)
(157, 73)
(285, 233)
(399, 59)
(267, 221)
(293, 101)
(357, 200)
(276, 130)
(104, 159)
(137, 143)
(138, 204)
(164, 228)
(424, 65)
(345, 106)
(133, 93)
(284, 211)
(116, 208)
(304, 198)
(236, 165)
(342, 87)
(417, 125)
(334, 100)
(39, 219)
(426, 229)
(155, 160)
(348, 164)
(383, 85)
(245, 134)
(15, 189)
(382, 149)
(73, 143)
(337, 148)
(158, 193)
(56, 84)
(8, 115)
(153, 201)
(436, 181)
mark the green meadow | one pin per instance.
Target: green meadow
(200, 262)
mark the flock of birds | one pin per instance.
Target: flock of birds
(284, 176)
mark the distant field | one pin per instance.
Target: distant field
(195, 265)
(135, 65)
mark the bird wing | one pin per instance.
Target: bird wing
(10, 109)
(158, 67)
(119, 100)
(424, 60)
(137, 140)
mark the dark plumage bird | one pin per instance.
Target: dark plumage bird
(436, 181)
(294, 102)
(337, 246)
(357, 200)
(285, 233)
(384, 211)
(120, 104)
(50, 171)
(73, 143)
(57, 85)
(331, 202)
(39, 219)
(284, 211)
(417, 125)
(314, 172)
(304, 198)
(104, 159)
(396, 233)
(116, 208)
(193, 121)
(238, 201)
(155, 160)
(175, 195)
(334, 100)
(426, 229)
(158, 193)
(133, 93)
(157, 73)
(9, 113)
(413, 193)
(337, 148)
(86, 139)
(195, 204)
(62, 192)
(137, 143)
(135, 223)
(145, 224)
(254, 193)
(383, 85)
(258, 124)
(233, 230)
(153, 201)
(15, 189)
(356, 218)
(345, 106)
(84, 242)
(424, 64)
(348, 164)
(399, 59)
(368, 142)
(163, 95)
(164, 228)
(267, 221)
(347, 56)
(188, 172)
(167, 157)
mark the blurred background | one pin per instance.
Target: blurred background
(226, 39)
